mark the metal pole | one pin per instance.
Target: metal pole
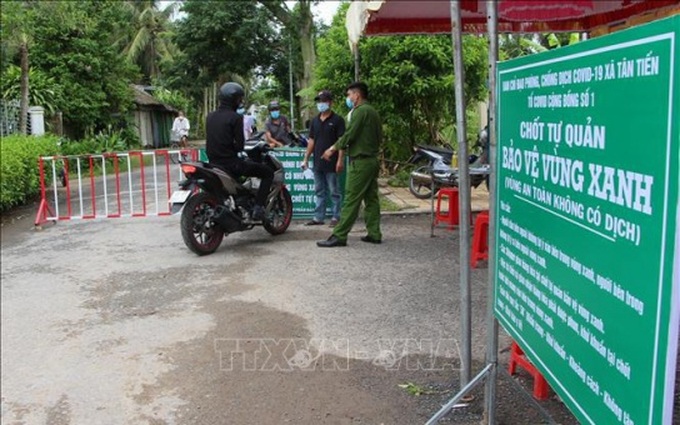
(491, 323)
(290, 85)
(463, 195)
(466, 389)
(356, 62)
(432, 203)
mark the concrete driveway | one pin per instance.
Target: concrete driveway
(117, 322)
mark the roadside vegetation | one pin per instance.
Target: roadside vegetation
(19, 178)
(80, 59)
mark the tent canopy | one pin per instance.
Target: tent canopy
(385, 17)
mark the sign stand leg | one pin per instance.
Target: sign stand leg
(491, 322)
(463, 391)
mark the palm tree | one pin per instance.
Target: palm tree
(16, 26)
(150, 43)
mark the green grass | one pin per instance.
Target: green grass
(400, 178)
(387, 205)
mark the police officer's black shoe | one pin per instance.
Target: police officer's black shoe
(331, 242)
(370, 239)
(258, 213)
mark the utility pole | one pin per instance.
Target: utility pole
(290, 84)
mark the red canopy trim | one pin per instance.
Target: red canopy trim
(527, 10)
(519, 16)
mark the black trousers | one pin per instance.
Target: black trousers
(239, 167)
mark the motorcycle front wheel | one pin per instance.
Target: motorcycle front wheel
(201, 235)
(281, 213)
(419, 189)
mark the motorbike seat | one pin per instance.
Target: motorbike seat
(223, 170)
(438, 149)
(256, 136)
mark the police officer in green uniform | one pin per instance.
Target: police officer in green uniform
(361, 141)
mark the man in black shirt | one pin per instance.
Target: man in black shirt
(326, 128)
(224, 142)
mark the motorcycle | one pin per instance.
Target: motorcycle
(295, 139)
(438, 172)
(215, 204)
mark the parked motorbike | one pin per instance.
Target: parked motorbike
(295, 139)
(438, 173)
(215, 204)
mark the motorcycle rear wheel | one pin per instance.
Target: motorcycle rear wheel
(421, 191)
(201, 235)
(279, 217)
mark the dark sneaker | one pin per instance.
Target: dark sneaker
(314, 223)
(258, 213)
(370, 239)
(331, 242)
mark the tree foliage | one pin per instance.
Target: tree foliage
(148, 41)
(73, 44)
(16, 39)
(298, 47)
(19, 174)
(516, 45)
(44, 89)
(410, 79)
(219, 39)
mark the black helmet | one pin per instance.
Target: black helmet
(231, 95)
(274, 105)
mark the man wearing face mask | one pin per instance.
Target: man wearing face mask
(325, 129)
(362, 142)
(248, 122)
(224, 142)
(277, 126)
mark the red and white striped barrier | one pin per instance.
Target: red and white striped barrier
(110, 185)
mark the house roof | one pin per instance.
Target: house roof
(142, 98)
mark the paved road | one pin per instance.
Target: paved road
(115, 321)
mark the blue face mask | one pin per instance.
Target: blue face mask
(275, 114)
(323, 107)
(349, 103)
(241, 111)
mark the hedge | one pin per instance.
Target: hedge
(19, 174)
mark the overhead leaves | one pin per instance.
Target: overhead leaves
(73, 45)
(410, 79)
(223, 38)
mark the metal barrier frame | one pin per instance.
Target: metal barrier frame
(50, 211)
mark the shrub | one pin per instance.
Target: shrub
(84, 147)
(111, 140)
(400, 178)
(19, 173)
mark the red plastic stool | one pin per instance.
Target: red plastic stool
(517, 358)
(451, 216)
(480, 240)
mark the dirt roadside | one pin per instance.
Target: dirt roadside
(116, 322)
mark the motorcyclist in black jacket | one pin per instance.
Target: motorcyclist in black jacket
(224, 142)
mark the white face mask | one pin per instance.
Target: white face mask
(322, 107)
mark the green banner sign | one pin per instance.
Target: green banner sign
(301, 188)
(587, 226)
